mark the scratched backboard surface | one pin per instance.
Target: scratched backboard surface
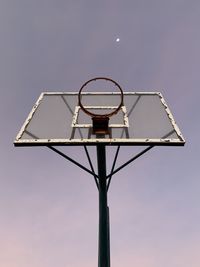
(56, 119)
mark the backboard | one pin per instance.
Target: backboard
(57, 119)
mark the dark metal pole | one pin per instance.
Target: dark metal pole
(104, 236)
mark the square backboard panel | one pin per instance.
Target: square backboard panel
(57, 119)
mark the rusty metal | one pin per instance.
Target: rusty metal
(19, 141)
(30, 116)
(100, 115)
(100, 122)
(94, 141)
(102, 180)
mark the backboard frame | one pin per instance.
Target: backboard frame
(94, 141)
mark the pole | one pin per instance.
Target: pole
(104, 236)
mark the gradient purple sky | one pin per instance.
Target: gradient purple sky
(48, 207)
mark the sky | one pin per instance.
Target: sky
(49, 207)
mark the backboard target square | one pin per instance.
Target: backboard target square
(83, 121)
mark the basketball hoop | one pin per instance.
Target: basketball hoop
(100, 122)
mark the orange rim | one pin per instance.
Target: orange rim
(100, 115)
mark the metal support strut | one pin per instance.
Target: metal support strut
(104, 235)
(102, 181)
